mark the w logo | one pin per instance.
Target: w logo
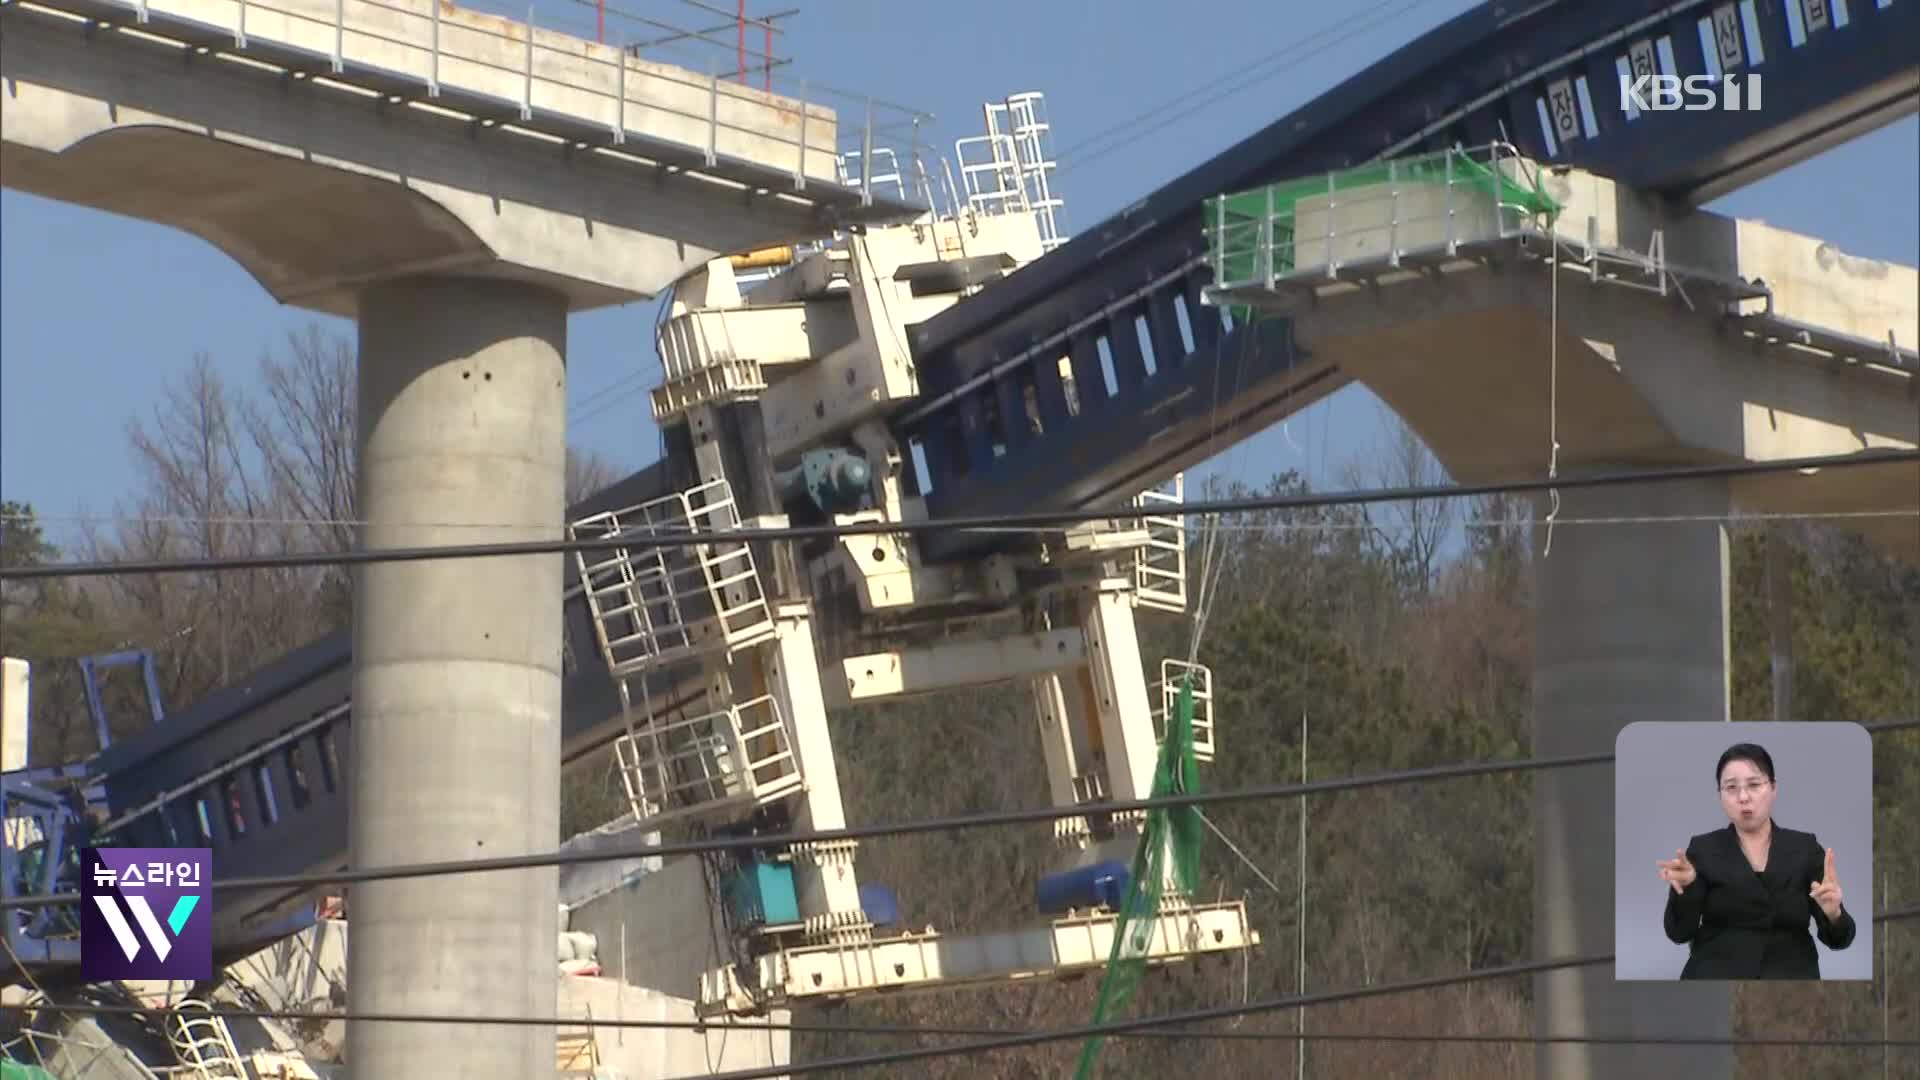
(123, 893)
(143, 914)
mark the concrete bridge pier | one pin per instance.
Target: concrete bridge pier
(1630, 625)
(456, 690)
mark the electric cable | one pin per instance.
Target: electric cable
(1356, 22)
(1731, 517)
(689, 538)
(1011, 1042)
(989, 819)
(1145, 1026)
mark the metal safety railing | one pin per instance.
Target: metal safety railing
(92, 1054)
(1015, 175)
(1172, 674)
(1373, 217)
(502, 72)
(654, 604)
(693, 765)
(203, 1044)
(1160, 565)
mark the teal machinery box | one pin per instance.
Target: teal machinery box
(761, 893)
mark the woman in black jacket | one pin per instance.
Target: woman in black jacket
(1741, 896)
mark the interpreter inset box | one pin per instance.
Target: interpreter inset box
(1743, 851)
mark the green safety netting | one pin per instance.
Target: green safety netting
(17, 1070)
(1171, 838)
(1236, 240)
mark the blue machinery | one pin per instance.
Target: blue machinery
(1077, 381)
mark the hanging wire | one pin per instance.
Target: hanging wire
(973, 523)
(1001, 1038)
(992, 819)
(1732, 517)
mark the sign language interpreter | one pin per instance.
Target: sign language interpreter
(1740, 898)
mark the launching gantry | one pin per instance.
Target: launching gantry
(774, 406)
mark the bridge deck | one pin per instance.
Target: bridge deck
(549, 85)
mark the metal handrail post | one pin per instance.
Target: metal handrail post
(866, 159)
(339, 35)
(1266, 238)
(526, 92)
(1333, 211)
(913, 148)
(620, 89)
(800, 169)
(1499, 215)
(713, 115)
(1220, 242)
(1393, 213)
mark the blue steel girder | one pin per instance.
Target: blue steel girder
(987, 365)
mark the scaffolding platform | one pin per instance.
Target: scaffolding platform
(658, 599)
(707, 766)
(1172, 674)
(1297, 236)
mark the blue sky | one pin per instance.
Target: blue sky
(97, 311)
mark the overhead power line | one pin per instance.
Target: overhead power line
(1153, 1027)
(1012, 1042)
(1731, 517)
(989, 819)
(1211, 94)
(688, 538)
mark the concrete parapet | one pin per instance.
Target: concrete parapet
(514, 63)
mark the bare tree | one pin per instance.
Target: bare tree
(206, 496)
(228, 474)
(1413, 531)
(587, 473)
(304, 432)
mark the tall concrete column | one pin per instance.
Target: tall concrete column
(456, 679)
(1630, 625)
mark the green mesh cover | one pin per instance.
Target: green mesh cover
(1172, 836)
(1236, 245)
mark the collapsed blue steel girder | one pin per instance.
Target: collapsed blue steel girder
(1543, 77)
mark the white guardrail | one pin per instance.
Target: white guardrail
(503, 72)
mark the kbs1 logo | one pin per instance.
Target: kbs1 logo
(1702, 93)
(144, 914)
